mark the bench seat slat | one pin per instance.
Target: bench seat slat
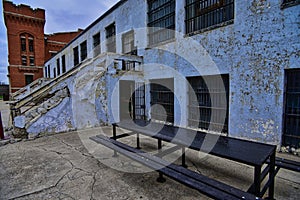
(194, 180)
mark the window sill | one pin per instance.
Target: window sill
(160, 43)
(210, 28)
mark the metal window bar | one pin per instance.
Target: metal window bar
(163, 96)
(111, 38)
(201, 14)
(161, 16)
(209, 117)
(96, 44)
(291, 133)
(128, 65)
(139, 95)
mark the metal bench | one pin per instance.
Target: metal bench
(201, 183)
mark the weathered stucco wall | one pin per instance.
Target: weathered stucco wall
(255, 50)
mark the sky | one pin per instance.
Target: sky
(61, 16)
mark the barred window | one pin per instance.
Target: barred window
(161, 19)
(211, 103)
(202, 14)
(83, 51)
(96, 44)
(111, 38)
(128, 43)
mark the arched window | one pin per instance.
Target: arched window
(27, 49)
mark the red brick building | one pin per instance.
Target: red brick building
(28, 46)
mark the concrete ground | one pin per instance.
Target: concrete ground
(70, 166)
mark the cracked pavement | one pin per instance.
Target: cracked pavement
(70, 166)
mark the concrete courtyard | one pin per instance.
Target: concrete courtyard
(71, 166)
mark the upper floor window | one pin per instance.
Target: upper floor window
(161, 19)
(111, 38)
(128, 43)
(24, 60)
(30, 45)
(23, 43)
(96, 44)
(31, 60)
(202, 14)
(58, 66)
(76, 56)
(83, 50)
(63, 63)
(289, 3)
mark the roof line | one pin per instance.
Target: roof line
(118, 4)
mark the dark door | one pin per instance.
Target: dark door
(161, 91)
(127, 100)
(291, 132)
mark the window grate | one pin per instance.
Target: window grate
(201, 14)
(291, 133)
(96, 44)
(162, 94)
(111, 38)
(211, 114)
(161, 19)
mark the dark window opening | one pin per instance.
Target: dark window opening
(31, 60)
(111, 38)
(63, 63)
(76, 56)
(96, 44)
(48, 71)
(128, 43)
(161, 91)
(83, 51)
(211, 103)
(201, 14)
(54, 73)
(24, 60)
(291, 132)
(58, 66)
(28, 79)
(31, 45)
(23, 43)
(161, 19)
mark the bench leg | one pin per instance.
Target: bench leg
(115, 138)
(138, 141)
(257, 181)
(183, 158)
(160, 178)
(272, 175)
